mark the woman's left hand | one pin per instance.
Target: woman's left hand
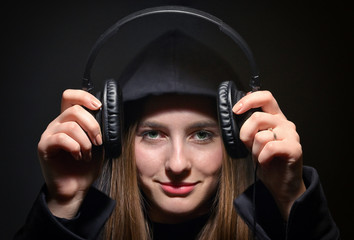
(275, 144)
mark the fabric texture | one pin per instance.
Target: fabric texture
(42, 224)
(309, 216)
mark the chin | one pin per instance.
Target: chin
(177, 209)
(178, 205)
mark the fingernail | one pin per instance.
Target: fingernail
(95, 103)
(237, 108)
(98, 140)
(77, 155)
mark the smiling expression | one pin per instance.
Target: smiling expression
(178, 152)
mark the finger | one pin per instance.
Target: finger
(86, 121)
(50, 145)
(290, 150)
(73, 97)
(258, 121)
(261, 139)
(259, 99)
(74, 131)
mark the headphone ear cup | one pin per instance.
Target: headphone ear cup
(111, 119)
(228, 96)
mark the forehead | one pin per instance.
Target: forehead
(157, 105)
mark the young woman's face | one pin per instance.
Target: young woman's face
(178, 150)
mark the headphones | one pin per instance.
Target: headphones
(110, 116)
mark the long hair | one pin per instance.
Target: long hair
(129, 219)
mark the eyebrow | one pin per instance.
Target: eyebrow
(196, 125)
(150, 124)
(204, 124)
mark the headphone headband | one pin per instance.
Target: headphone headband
(236, 37)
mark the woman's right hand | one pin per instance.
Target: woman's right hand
(68, 163)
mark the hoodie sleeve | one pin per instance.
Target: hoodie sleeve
(309, 216)
(92, 215)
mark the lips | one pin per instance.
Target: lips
(177, 189)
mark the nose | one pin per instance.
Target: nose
(178, 161)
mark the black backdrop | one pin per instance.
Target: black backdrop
(302, 50)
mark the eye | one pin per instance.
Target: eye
(203, 136)
(152, 134)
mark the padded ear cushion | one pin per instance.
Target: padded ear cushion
(228, 96)
(111, 124)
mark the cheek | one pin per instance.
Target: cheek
(146, 161)
(210, 160)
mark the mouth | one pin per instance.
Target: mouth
(180, 189)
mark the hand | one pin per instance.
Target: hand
(275, 145)
(68, 164)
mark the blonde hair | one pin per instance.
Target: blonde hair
(129, 220)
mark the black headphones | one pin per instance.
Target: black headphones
(110, 117)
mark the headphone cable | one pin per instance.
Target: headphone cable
(254, 202)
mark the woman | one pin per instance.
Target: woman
(174, 179)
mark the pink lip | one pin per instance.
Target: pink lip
(177, 189)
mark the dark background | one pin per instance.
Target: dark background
(304, 52)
